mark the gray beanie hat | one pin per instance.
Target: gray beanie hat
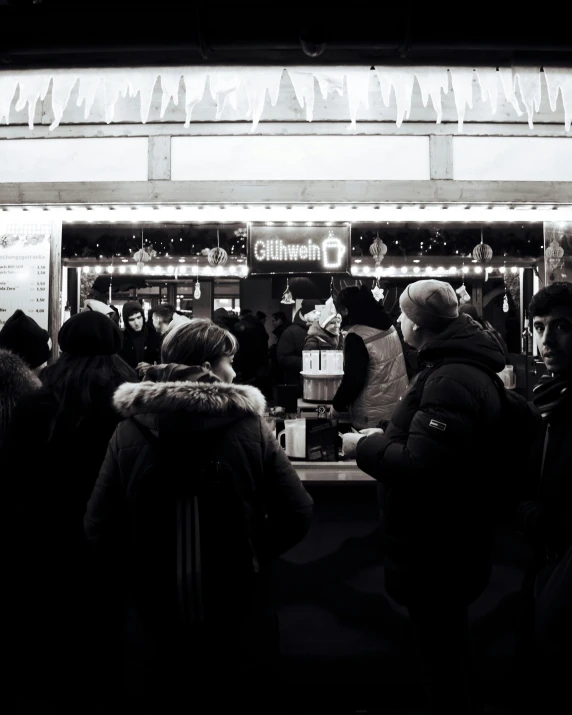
(430, 304)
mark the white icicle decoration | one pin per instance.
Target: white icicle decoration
(8, 84)
(195, 79)
(88, 85)
(433, 80)
(529, 83)
(303, 83)
(557, 80)
(33, 88)
(357, 82)
(401, 79)
(62, 87)
(508, 79)
(462, 81)
(521, 86)
(488, 78)
(257, 81)
(170, 80)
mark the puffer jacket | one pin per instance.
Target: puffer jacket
(375, 371)
(385, 380)
(435, 463)
(195, 417)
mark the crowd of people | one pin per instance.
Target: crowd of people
(147, 498)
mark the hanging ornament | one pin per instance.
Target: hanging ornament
(505, 306)
(144, 255)
(378, 249)
(482, 252)
(197, 291)
(377, 290)
(553, 255)
(217, 256)
(287, 296)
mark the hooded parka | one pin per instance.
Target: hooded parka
(197, 420)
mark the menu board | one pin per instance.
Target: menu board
(25, 271)
(281, 248)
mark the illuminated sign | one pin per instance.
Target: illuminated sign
(280, 248)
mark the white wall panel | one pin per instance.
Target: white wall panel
(512, 159)
(46, 160)
(243, 158)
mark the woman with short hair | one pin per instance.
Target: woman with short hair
(199, 499)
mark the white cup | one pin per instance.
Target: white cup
(294, 438)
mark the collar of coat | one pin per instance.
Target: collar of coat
(212, 399)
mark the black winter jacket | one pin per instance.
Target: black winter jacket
(435, 462)
(193, 421)
(546, 510)
(289, 350)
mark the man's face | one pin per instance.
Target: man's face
(407, 328)
(553, 334)
(159, 325)
(136, 322)
(276, 322)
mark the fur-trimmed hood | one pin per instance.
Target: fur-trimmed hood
(203, 403)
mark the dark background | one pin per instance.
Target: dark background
(60, 33)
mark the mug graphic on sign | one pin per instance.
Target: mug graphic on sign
(294, 437)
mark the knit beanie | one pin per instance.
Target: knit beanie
(90, 333)
(308, 305)
(23, 336)
(430, 304)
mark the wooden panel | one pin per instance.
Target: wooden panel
(63, 160)
(441, 157)
(285, 128)
(512, 159)
(287, 192)
(294, 158)
(159, 158)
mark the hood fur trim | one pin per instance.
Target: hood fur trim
(220, 399)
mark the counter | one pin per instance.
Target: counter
(347, 471)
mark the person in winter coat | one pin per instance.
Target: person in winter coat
(16, 380)
(324, 334)
(23, 336)
(291, 342)
(141, 343)
(166, 318)
(375, 373)
(50, 459)
(252, 357)
(279, 325)
(545, 512)
(198, 498)
(435, 465)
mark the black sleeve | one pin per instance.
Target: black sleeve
(356, 360)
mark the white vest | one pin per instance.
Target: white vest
(386, 378)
